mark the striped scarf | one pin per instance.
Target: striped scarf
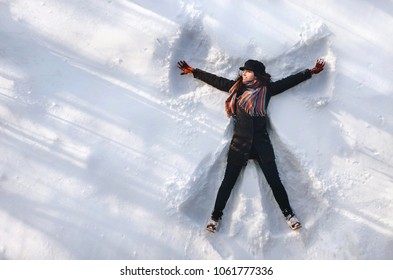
(253, 100)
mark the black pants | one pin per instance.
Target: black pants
(272, 177)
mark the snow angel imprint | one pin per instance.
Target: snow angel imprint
(249, 96)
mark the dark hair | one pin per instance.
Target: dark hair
(265, 78)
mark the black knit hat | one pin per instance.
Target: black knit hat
(255, 66)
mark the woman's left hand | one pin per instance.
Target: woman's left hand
(318, 66)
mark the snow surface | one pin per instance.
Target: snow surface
(108, 153)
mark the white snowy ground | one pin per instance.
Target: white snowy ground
(108, 153)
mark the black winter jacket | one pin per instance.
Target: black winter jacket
(250, 137)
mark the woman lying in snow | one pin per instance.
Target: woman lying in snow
(247, 103)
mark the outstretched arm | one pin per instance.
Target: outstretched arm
(211, 79)
(295, 79)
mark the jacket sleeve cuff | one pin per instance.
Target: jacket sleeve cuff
(196, 72)
(308, 73)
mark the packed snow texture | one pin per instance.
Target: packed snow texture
(108, 153)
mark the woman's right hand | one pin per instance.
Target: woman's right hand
(187, 69)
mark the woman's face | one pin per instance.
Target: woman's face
(248, 76)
